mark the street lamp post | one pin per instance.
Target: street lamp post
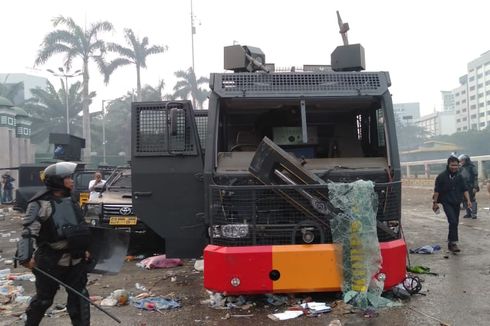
(66, 75)
(103, 134)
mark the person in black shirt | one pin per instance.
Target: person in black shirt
(449, 190)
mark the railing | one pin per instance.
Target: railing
(429, 169)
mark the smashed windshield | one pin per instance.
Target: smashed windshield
(120, 179)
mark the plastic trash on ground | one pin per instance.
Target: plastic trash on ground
(121, 296)
(288, 314)
(160, 261)
(316, 307)
(199, 265)
(155, 303)
(108, 302)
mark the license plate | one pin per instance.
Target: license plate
(83, 198)
(123, 220)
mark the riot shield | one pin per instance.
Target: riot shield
(108, 250)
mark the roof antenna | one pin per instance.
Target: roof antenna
(347, 57)
(344, 27)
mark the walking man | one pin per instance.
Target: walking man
(470, 175)
(449, 190)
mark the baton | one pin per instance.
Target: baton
(77, 293)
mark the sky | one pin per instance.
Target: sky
(425, 45)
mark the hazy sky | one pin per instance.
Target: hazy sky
(425, 45)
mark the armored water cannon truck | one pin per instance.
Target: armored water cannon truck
(263, 183)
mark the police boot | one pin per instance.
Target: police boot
(35, 311)
(79, 310)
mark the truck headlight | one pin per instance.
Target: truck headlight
(93, 210)
(233, 231)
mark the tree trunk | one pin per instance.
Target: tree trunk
(138, 83)
(86, 114)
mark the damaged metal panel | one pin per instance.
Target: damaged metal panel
(272, 165)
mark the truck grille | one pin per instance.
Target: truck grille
(276, 215)
(117, 210)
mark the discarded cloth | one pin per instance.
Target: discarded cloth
(159, 262)
(428, 249)
(420, 270)
(155, 303)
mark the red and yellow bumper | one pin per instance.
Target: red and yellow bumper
(288, 268)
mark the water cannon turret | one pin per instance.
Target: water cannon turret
(244, 58)
(347, 57)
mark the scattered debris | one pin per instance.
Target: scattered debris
(155, 303)
(140, 287)
(335, 322)
(108, 302)
(160, 261)
(121, 296)
(428, 249)
(57, 311)
(316, 307)
(277, 300)
(288, 314)
(131, 258)
(22, 277)
(199, 265)
(418, 269)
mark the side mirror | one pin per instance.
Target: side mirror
(100, 188)
(174, 114)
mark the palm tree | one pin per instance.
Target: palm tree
(149, 93)
(136, 54)
(188, 85)
(76, 42)
(47, 107)
(10, 91)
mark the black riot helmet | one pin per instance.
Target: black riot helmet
(53, 175)
(464, 159)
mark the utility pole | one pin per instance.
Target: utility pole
(66, 75)
(103, 135)
(193, 31)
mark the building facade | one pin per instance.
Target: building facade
(472, 97)
(407, 113)
(28, 81)
(447, 100)
(15, 136)
(438, 123)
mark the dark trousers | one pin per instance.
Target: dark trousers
(474, 206)
(452, 214)
(76, 277)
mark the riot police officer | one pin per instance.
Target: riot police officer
(55, 223)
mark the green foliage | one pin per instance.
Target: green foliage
(47, 109)
(73, 41)
(9, 91)
(189, 86)
(410, 136)
(472, 142)
(136, 54)
(118, 126)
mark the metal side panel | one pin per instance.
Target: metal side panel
(167, 180)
